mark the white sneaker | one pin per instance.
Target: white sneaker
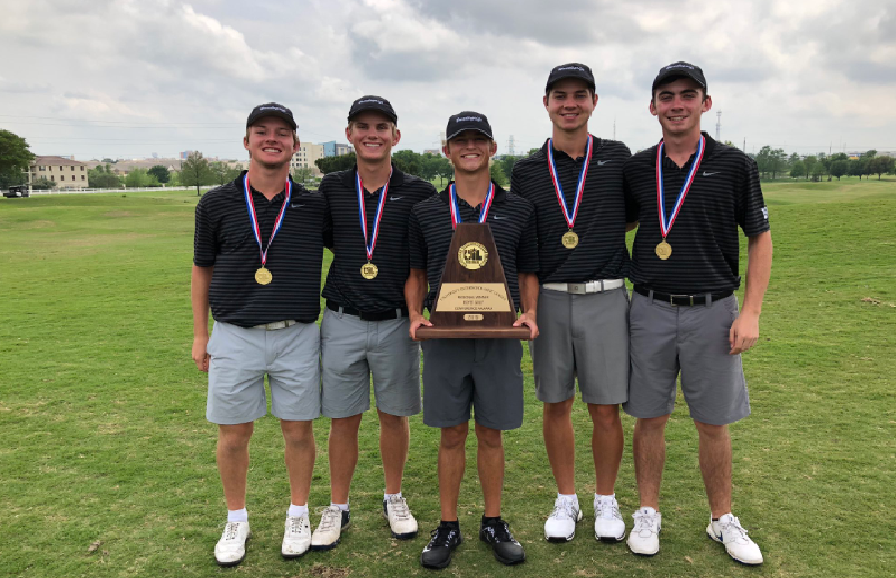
(296, 536)
(739, 546)
(644, 539)
(608, 523)
(231, 548)
(332, 521)
(401, 521)
(561, 524)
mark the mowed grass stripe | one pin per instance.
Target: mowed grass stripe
(105, 437)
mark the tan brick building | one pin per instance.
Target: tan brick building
(65, 173)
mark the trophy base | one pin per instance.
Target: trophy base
(426, 332)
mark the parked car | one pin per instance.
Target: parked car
(16, 192)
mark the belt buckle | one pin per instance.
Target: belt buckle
(689, 297)
(576, 288)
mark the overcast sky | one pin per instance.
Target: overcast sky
(124, 79)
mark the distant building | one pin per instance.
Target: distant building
(433, 152)
(64, 172)
(306, 155)
(343, 149)
(184, 155)
(335, 149)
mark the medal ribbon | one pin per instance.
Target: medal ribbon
(666, 225)
(359, 185)
(580, 186)
(250, 206)
(455, 209)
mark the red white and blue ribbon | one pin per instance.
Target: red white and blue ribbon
(580, 186)
(666, 224)
(455, 210)
(359, 185)
(250, 206)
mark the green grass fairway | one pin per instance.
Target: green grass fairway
(107, 464)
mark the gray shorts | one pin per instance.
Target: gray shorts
(240, 358)
(483, 374)
(352, 350)
(666, 339)
(584, 337)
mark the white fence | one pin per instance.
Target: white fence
(121, 190)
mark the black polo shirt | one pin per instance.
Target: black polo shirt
(600, 224)
(345, 285)
(223, 239)
(511, 219)
(705, 245)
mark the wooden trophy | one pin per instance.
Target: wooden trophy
(474, 299)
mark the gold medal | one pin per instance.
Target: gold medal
(570, 239)
(369, 271)
(263, 276)
(663, 250)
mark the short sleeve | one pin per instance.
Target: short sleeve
(752, 213)
(205, 247)
(416, 242)
(527, 251)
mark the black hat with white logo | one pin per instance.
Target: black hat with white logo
(680, 69)
(467, 120)
(271, 109)
(571, 70)
(372, 102)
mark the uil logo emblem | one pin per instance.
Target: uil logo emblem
(472, 255)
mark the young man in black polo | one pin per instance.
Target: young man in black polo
(690, 195)
(364, 331)
(460, 374)
(575, 183)
(255, 241)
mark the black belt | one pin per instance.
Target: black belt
(386, 315)
(683, 300)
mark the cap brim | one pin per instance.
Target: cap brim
(477, 129)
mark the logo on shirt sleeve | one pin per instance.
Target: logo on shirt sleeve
(765, 213)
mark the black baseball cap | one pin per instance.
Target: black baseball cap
(271, 109)
(571, 70)
(467, 120)
(680, 69)
(374, 103)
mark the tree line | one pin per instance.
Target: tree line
(775, 162)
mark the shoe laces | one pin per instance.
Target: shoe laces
(608, 510)
(231, 530)
(733, 525)
(644, 522)
(296, 524)
(564, 509)
(500, 531)
(398, 507)
(441, 536)
(331, 518)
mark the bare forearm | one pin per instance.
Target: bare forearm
(415, 290)
(201, 280)
(759, 268)
(529, 293)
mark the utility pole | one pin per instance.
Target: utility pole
(510, 149)
(719, 126)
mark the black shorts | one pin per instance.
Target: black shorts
(485, 374)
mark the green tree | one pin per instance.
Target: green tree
(444, 169)
(301, 175)
(855, 168)
(162, 174)
(497, 174)
(797, 169)
(43, 184)
(839, 168)
(429, 166)
(195, 172)
(408, 161)
(15, 157)
(102, 177)
(809, 164)
(818, 171)
(880, 165)
(533, 151)
(222, 174)
(332, 164)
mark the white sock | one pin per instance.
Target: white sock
(574, 498)
(297, 511)
(343, 507)
(387, 496)
(237, 515)
(602, 498)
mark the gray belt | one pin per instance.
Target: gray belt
(598, 286)
(275, 325)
